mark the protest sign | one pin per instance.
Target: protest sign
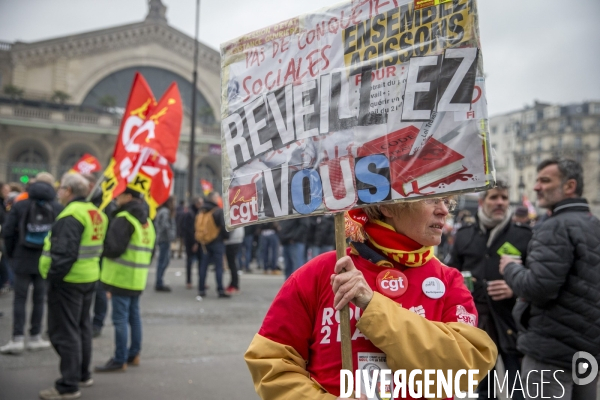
(365, 102)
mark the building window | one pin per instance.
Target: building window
(563, 125)
(30, 156)
(551, 112)
(530, 117)
(26, 165)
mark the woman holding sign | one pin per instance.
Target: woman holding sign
(408, 312)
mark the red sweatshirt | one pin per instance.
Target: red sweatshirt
(302, 317)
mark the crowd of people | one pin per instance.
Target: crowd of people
(56, 240)
(528, 294)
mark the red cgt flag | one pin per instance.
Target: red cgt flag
(207, 187)
(87, 164)
(146, 124)
(153, 178)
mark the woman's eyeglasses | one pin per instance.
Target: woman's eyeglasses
(449, 203)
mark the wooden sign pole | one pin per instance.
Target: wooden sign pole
(340, 247)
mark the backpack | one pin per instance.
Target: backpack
(36, 224)
(205, 228)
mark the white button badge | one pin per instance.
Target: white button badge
(434, 288)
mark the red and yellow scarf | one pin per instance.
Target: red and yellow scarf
(386, 240)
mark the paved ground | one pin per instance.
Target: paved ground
(191, 349)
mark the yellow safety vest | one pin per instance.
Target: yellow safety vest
(130, 270)
(87, 267)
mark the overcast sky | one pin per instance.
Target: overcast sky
(545, 50)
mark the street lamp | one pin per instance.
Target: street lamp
(521, 188)
(193, 132)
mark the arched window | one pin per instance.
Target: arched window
(27, 163)
(113, 91)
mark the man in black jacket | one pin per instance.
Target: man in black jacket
(124, 275)
(24, 259)
(292, 236)
(100, 300)
(192, 248)
(558, 312)
(477, 249)
(321, 233)
(4, 271)
(70, 263)
(213, 251)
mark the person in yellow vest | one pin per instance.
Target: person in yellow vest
(128, 250)
(70, 262)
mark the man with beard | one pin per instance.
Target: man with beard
(477, 249)
(558, 312)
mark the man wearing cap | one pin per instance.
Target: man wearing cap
(477, 249)
(521, 216)
(128, 250)
(70, 262)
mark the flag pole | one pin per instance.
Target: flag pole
(340, 248)
(96, 186)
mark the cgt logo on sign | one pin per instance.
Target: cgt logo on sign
(243, 206)
(584, 368)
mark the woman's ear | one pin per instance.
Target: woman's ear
(385, 211)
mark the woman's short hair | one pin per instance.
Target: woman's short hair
(374, 212)
(396, 209)
(79, 186)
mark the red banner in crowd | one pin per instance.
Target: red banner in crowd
(87, 164)
(207, 187)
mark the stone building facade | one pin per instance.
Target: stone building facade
(523, 138)
(64, 97)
